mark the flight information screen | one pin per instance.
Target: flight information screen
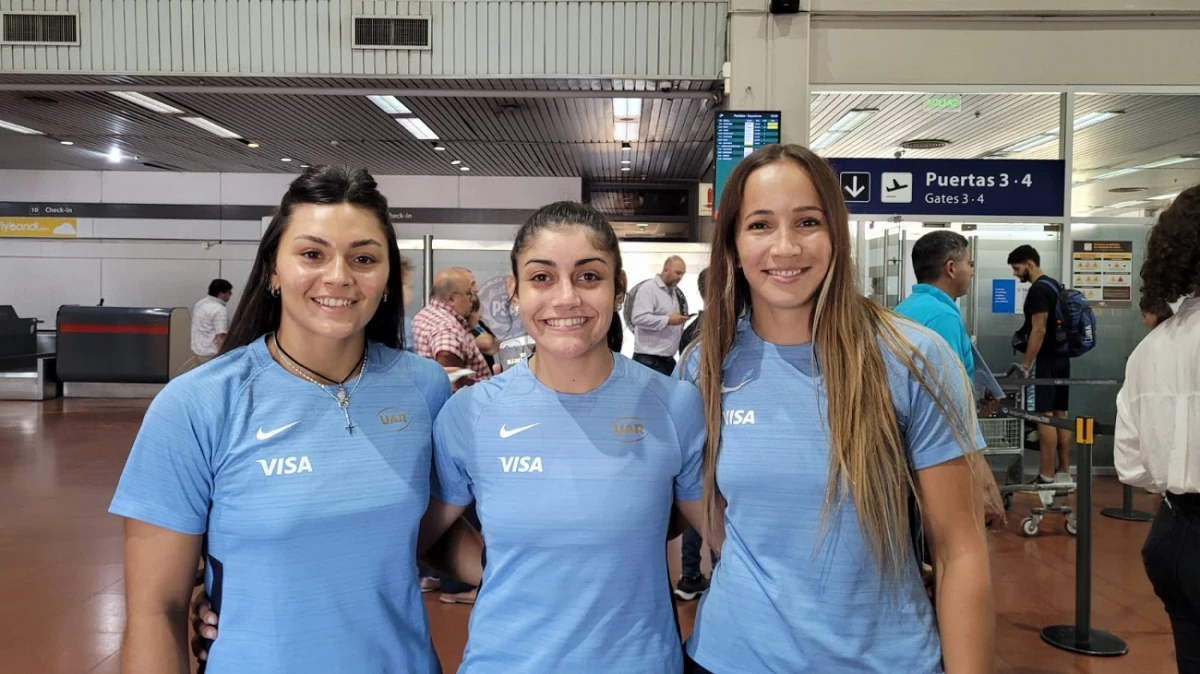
(740, 132)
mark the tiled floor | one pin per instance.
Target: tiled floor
(62, 607)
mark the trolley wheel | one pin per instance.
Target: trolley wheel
(1072, 528)
(1008, 499)
(1029, 526)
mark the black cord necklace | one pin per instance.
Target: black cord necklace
(342, 398)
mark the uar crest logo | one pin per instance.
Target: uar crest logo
(521, 464)
(629, 429)
(393, 419)
(288, 465)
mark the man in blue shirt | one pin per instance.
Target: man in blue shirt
(944, 268)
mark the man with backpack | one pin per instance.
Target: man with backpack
(656, 311)
(1043, 337)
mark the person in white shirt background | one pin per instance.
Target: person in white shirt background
(210, 321)
(1157, 444)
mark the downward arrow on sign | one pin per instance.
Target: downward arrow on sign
(854, 189)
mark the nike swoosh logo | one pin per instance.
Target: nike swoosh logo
(505, 433)
(731, 389)
(270, 434)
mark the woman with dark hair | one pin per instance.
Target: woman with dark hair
(574, 458)
(827, 415)
(1157, 444)
(301, 455)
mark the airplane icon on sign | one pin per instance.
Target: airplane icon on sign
(896, 186)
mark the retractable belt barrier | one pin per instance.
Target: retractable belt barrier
(1126, 511)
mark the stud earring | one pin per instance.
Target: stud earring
(385, 296)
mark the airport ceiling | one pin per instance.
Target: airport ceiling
(546, 127)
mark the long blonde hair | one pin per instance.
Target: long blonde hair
(868, 457)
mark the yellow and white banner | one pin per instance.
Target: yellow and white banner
(39, 227)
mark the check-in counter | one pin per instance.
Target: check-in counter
(120, 352)
(27, 367)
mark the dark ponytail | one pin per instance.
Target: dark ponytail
(563, 214)
(616, 333)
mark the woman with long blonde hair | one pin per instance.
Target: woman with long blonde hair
(828, 416)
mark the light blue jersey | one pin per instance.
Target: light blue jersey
(311, 529)
(574, 494)
(779, 603)
(930, 306)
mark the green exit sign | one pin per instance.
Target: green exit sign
(944, 103)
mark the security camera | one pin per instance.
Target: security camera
(665, 87)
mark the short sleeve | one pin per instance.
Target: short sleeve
(168, 477)
(433, 383)
(688, 367)
(221, 320)
(1041, 300)
(929, 432)
(452, 438)
(687, 412)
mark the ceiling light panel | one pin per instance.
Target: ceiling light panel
(390, 105)
(627, 108)
(210, 127)
(847, 123)
(20, 129)
(625, 131)
(147, 102)
(419, 129)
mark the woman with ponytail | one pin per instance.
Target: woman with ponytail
(827, 416)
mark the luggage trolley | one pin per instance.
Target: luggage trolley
(1004, 436)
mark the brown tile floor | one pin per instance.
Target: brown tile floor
(63, 607)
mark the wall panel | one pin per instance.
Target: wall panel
(302, 37)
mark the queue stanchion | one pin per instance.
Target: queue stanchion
(1080, 637)
(1126, 511)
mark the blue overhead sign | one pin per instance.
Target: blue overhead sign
(955, 187)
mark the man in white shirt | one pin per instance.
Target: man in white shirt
(1157, 444)
(210, 321)
(658, 317)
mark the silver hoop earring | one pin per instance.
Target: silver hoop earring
(273, 292)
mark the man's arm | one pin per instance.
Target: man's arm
(1037, 334)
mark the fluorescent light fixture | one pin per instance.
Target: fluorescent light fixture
(1126, 204)
(456, 162)
(210, 127)
(114, 154)
(439, 147)
(1030, 143)
(625, 131)
(847, 123)
(1116, 174)
(627, 108)
(390, 105)
(1094, 118)
(285, 159)
(19, 129)
(305, 166)
(464, 168)
(626, 161)
(626, 147)
(1085, 121)
(420, 130)
(66, 142)
(147, 102)
(1170, 161)
(626, 168)
(1164, 197)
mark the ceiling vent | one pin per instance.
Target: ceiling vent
(924, 144)
(391, 32)
(1127, 190)
(40, 28)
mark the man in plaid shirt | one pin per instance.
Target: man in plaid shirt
(440, 329)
